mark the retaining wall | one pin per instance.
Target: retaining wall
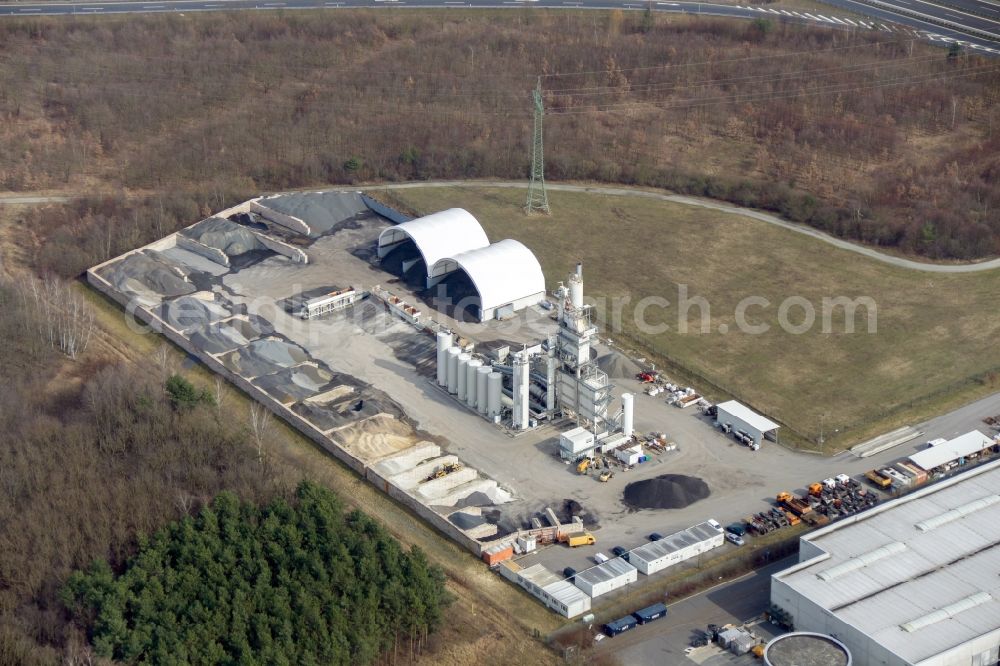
(435, 519)
(213, 254)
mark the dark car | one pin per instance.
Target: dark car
(618, 551)
(569, 572)
(655, 536)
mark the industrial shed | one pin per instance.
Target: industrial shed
(451, 249)
(606, 577)
(551, 589)
(506, 275)
(435, 236)
(953, 451)
(741, 417)
(677, 547)
(913, 581)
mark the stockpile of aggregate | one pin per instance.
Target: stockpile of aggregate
(219, 338)
(262, 357)
(190, 313)
(322, 211)
(618, 366)
(231, 238)
(147, 277)
(296, 383)
(669, 491)
(466, 521)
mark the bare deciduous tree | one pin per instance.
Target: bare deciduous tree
(260, 427)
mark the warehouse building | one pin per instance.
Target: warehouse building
(913, 581)
(670, 550)
(952, 453)
(606, 577)
(451, 249)
(548, 587)
(740, 417)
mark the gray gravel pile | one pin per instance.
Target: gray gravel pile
(296, 383)
(322, 211)
(146, 277)
(219, 338)
(618, 366)
(262, 357)
(190, 314)
(233, 239)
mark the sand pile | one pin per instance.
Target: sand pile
(669, 491)
(376, 436)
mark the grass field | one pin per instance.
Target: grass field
(935, 344)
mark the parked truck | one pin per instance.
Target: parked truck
(794, 504)
(574, 539)
(878, 478)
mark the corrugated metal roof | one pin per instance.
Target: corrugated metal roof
(613, 568)
(503, 272)
(960, 447)
(937, 569)
(539, 575)
(747, 415)
(438, 235)
(677, 541)
(565, 592)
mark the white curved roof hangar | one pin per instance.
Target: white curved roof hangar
(438, 235)
(503, 273)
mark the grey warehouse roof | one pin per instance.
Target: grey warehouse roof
(610, 570)
(919, 574)
(677, 541)
(748, 416)
(960, 447)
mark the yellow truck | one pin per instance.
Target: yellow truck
(577, 539)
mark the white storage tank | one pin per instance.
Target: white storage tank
(463, 364)
(494, 386)
(470, 382)
(444, 342)
(482, 375)
(627, 413)
(453, 354)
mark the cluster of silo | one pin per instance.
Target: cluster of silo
(467, 378)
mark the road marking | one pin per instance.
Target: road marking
(786, 13)
(774, 11)
(834, 18)
(154, 7)
(851, 22)
(29, 10)
(274, 4)
(668, 4)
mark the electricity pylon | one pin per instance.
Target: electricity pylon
(538, 200)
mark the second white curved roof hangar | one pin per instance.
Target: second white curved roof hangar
(506, 274)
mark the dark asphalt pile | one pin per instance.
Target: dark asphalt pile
(669, 491)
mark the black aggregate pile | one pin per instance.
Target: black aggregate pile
(669, 491)
(322, 211)
(474, 499)
(465, 521)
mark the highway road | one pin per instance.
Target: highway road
(979, 32)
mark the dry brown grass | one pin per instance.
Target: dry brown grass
(934, 347)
